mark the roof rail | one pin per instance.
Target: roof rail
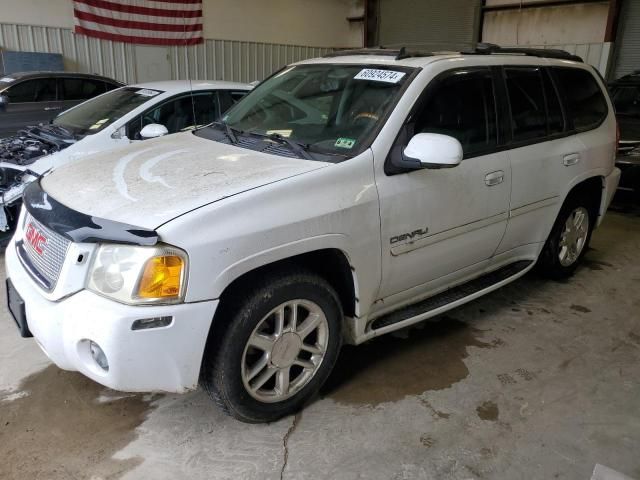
(490, 48)
(398, 54)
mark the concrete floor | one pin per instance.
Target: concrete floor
(540, 380)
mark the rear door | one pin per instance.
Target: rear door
(544, 151)
(31, 102)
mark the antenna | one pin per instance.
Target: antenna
(193, 103)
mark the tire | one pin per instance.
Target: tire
(559, 260)
(245, 347)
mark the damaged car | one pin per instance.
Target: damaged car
(625, 93)
(116, 118)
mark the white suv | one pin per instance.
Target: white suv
(343, 198)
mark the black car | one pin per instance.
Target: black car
(625, 93)
(37, 97)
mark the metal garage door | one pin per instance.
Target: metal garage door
(627, 56)
(436, 24)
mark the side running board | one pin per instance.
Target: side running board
(452, 295)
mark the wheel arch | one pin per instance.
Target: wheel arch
(329, 262)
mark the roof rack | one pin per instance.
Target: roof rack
(398, 54)
(481, 49)
(490, 48)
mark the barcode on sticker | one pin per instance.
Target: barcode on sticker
(389, 76)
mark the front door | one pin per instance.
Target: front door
(436, 224)
(31, 102)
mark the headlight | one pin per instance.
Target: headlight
(134, 275)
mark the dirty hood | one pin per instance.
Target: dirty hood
(154, 181)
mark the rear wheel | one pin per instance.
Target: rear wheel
(568, 240)
(278, 348)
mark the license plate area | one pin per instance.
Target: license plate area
(17, 310)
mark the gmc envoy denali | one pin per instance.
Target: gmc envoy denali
(344, 198)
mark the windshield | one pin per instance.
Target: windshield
(96, 114)
(324, 109)
(626, 99)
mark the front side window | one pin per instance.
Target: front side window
(324, 109)
(177, 114)
(37, 90)
(583, 97)
(96, 114)
(462, 106)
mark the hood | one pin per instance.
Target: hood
(154, 181)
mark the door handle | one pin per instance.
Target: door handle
(48, 109)
(494, 178)
(571, 159)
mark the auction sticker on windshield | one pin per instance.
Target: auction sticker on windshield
(389, 76)
(147, 92)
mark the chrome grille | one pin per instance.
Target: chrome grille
(48, 263)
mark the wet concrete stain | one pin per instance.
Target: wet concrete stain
(488, 411)
(389, 368)
(580, 308)
(595, 264)
(57, 429)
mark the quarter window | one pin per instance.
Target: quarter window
(583, 97)
(462, 106)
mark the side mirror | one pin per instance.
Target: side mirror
(431, 150)
(153, 130)
(4, 101)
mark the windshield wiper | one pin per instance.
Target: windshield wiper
(299, 148)
(230, 131)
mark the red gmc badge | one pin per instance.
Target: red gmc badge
(35, 238)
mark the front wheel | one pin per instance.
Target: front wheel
(277, 349)
(568, 240)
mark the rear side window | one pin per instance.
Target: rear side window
(228, 99)
(81, 89)
(462, 105)
(526, 98)
(585, 103)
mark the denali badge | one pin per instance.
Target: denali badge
(409, 236)
(36, 239)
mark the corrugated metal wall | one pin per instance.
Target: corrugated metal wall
(627, 51)
(235, 60)
(596, 54)
(433, 24)
(214, 59)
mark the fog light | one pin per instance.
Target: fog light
(98, 356)
(154, 322)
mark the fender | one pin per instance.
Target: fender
(282, 252)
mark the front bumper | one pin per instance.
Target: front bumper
(158, 359)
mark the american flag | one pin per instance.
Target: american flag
(150, 22)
